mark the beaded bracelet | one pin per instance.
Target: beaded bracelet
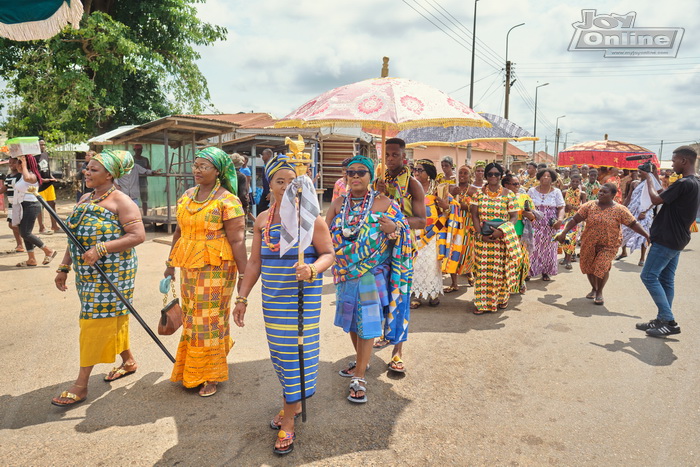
(393, 235)
(169, 264)
(243, 300)
(101, 249)
(314, 273)
(63, 268)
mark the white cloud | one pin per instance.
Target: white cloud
(279, 54)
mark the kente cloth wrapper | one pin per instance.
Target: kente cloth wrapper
(630, 238)
(203, 239)
(224, 164)
(298, 224)
(435, 221)
(497, 263)
(206, 334)
(454, 249)
(572, 198)
(97, 300)
(280, 301)
(367, 162)
(117, 162)
(397, 189)
(277, 163)
(366, 255)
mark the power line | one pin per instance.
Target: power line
(497, 82)
(469, 84)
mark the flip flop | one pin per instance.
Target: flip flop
(503, 306)
(415, 304)
(620, 257)
(434, 302)
(24, 264)
(275, 426)
(599, 301)
(68, 395)
(49, 258)
(393, 365)
(208, 394)
(568, 266)
(450, 289)
(641, 263)
(118, 373)
(380, 344)
(591, 296)
(284, 436)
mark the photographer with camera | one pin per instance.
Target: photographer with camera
(670, 233)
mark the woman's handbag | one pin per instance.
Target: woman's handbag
(171, 314)
(489, 226)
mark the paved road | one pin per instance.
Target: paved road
(553, 380)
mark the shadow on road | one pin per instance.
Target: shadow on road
(627, 267)
(233, 426)
(649, 350)
(582, 307)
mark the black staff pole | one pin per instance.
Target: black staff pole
(111, 285)
(300, 318)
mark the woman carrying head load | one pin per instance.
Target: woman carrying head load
(280, 279)
(373, 269)
(209, 248)
(498, 251)
(108, 224)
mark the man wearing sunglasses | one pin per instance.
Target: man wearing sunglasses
(408, 193)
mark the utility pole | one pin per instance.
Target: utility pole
(471, 82)
(534, 124)
(556, 147)
(661, 150)
(506, 161)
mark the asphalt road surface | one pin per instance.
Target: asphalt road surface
(552, 380)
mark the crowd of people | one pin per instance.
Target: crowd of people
(389, 238)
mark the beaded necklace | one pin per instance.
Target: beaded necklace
(202, 204)
(89, 201)
(353, 217)
(268, 225)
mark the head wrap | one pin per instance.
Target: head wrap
(480, 164)
(429, 167)
(367, 162)
(223, 163)
(117, 162)
(276, 163)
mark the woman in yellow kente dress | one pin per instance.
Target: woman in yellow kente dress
(108, 224)
(209, 249)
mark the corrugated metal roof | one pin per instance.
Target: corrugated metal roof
(105, 137)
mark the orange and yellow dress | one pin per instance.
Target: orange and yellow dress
(207, 279)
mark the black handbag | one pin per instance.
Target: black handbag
(489, 226)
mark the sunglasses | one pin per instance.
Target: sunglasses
(360, 173)
(493, 174)
(418, 171)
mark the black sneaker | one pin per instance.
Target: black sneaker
(664, 329)
(654, 323)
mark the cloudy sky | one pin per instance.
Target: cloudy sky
(279, 54)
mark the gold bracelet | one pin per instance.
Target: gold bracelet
(63, 268)
(314, 273)
(243, 300)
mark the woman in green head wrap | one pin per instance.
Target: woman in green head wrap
(209, 249)
(108, 225)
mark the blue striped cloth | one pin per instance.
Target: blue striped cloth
(280, 312)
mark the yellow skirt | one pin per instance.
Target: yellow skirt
(101, 339)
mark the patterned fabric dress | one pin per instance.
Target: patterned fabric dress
(496, 265)
(339, 188)
(104, 319)
(456, 240)
(524, 266)
(630, 238)
(602, 236)
(397, 189)
(427, 274)
(573, 199)
(592, 190)
(543, 259)
(280, 312)
(207, 279)
(372, 276)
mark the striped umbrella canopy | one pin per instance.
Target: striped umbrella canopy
(605, 153)
(30, 20)
(501, 129)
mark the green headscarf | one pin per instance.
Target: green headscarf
(224, 164)
(364, 161)
(117, 162)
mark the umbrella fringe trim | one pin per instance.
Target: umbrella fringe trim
(69, 12)
(444, 122)
(466, 141)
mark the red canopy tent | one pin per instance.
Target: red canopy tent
(605, 153)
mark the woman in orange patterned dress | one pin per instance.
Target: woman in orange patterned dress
(602, 237)
(209, 248)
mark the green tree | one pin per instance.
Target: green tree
(131, 61)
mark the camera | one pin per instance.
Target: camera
(646, 166)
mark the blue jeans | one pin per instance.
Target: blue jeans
(658, 276)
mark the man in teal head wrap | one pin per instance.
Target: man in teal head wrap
(367, 162)
(223, 163)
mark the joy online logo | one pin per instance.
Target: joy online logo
(617, 36)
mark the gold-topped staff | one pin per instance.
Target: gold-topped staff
(301, 161)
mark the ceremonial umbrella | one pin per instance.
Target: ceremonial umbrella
(501, 129)
(384, 104)
(29, 20)
(605, 153)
